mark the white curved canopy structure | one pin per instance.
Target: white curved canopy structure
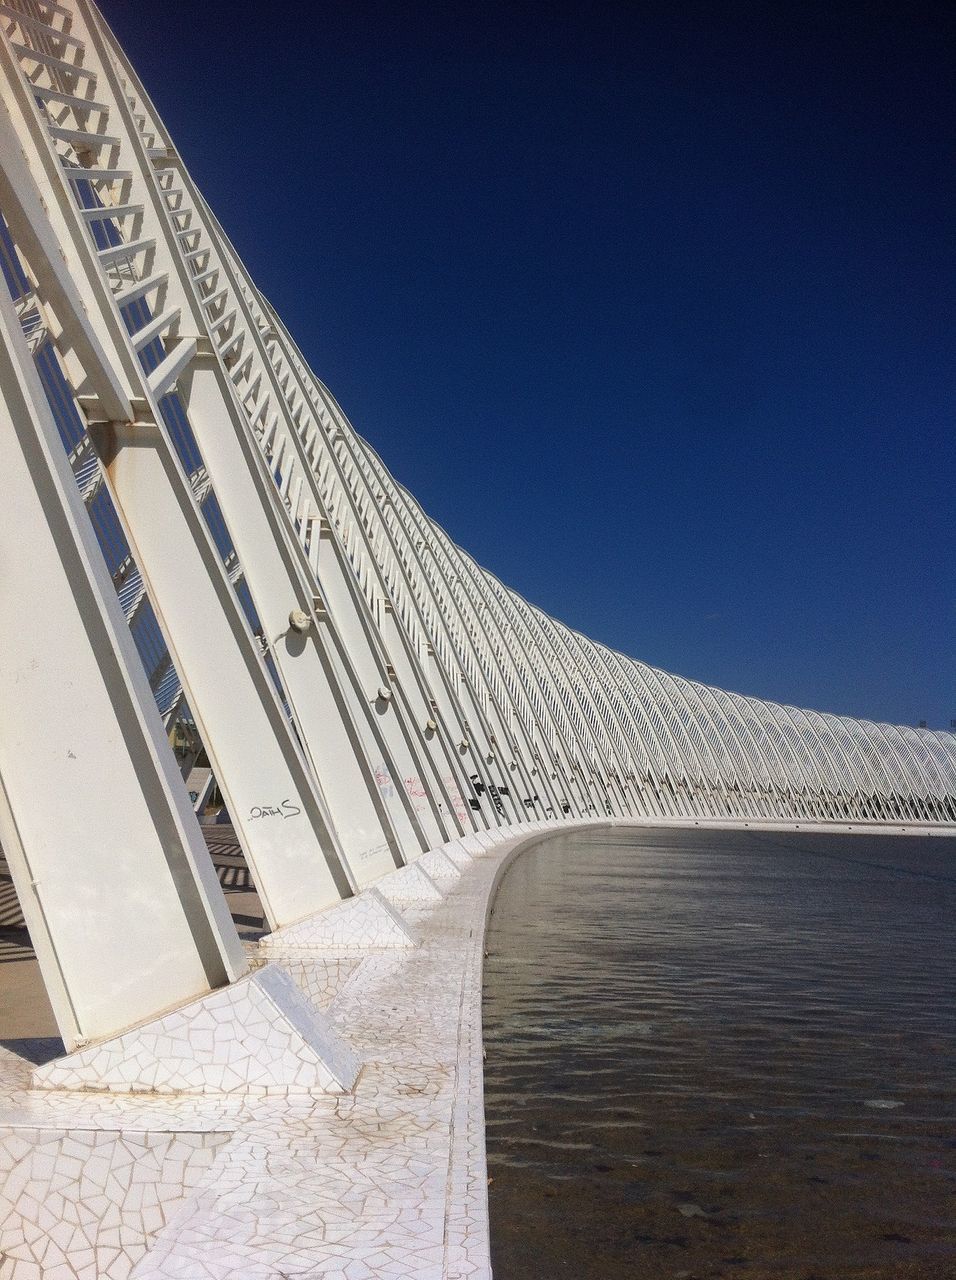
(362, 688)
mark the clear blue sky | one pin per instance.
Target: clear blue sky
(651, 306)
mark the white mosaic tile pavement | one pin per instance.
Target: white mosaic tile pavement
(318, 976)
(409, 884)
(393, 1182)
(258, 1035)
(439, 865)
(385, 1181)
(86, 1203)
(388, 1180)
(457, 852)
(367, 922)
(472, 845)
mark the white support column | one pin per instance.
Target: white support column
(384, 754)
(331, 722)
(457, 818)
(122, 903)
(279, 816)
(559, 736)
(541, 760)
(418, 830)
(514, 755)
(478, 728)
(448, 782)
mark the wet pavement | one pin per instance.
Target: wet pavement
(718, 1054)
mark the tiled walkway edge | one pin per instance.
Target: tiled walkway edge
(386, 1181)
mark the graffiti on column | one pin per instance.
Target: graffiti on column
(496, 799)
(383, 780)
(457, 802)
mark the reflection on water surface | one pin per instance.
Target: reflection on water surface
(723, 1054)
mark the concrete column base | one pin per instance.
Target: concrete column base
(473, 845)
(438, 865)
(258, 1035)
(458, 854)
(409, 884)
(364, 923)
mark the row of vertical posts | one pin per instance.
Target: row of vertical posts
(363, 689)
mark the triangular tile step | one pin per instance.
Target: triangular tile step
(438, 865)
(471, 844)
(364, 923)
(258, 1035)
(409, 884)
(457, 853)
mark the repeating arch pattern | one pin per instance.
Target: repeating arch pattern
(535, 715)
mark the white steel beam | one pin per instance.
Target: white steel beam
(124, 909)
(414, 696)
(278, 814)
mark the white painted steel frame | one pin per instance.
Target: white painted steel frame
(94, 820)
(365, 690)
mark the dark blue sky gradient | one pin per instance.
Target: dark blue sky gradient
(652, 307)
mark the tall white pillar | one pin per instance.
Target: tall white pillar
(122, 902)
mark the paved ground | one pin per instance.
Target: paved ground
(388, 1180)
